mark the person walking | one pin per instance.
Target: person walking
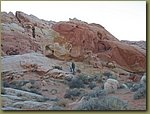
(72, 67)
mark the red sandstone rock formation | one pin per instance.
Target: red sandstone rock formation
(17, 34)
(95, 38)
(17, 38)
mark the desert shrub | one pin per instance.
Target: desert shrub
(84, 78)
(135, 87)
(106, 103)
(67, 78)
(61, 103)
(140, 93)
(115, 103)
(92, 85)
(57, 67)
(107, 74)
(92, 104)
(55, 107)
(129, 84)
(76, 83)
(97, 77)
(97, 92)
(72, 93)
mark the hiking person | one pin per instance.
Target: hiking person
(72, 67)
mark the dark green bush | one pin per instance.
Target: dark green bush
(115, 103)
(72, 93)
(84, 78)
(97, 77)
(106, 103)
(107, 74)
(57, 67)
(135, 87)
(140, 93)
(97, 92)
(92, 85)
(92, 104)
(76, 83)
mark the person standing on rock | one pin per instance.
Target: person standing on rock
(33, 31)
(72, 68)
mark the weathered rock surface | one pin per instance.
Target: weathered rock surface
(14, 99)
(36, 63)
(111, 85)
(27, 62)
(23, 94)
(18, 36)
(74, 39)
(96, 39)
(141, 44)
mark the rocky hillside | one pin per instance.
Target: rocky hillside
(74, 39)
(141, 44)
(37, 75)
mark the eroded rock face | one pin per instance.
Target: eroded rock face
(75, 39)
(96, 39)
(22, 33)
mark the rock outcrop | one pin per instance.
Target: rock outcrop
(22, 33)
(96, 39)
(111, 85)
(74, 39)
(141, 44)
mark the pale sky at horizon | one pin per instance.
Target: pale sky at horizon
(126, 20)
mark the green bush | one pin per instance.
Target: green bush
(97, 92)
(135, 87)
(84, 78)
(92, 104)
(97, 77)
(57, 67)
(72, 93)
(92, 85)
(107, 74)
(140, 93)
(115, 103)
(76, 83)
(106, 103)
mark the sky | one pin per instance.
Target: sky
(126, 20)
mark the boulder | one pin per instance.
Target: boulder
(111, 85)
